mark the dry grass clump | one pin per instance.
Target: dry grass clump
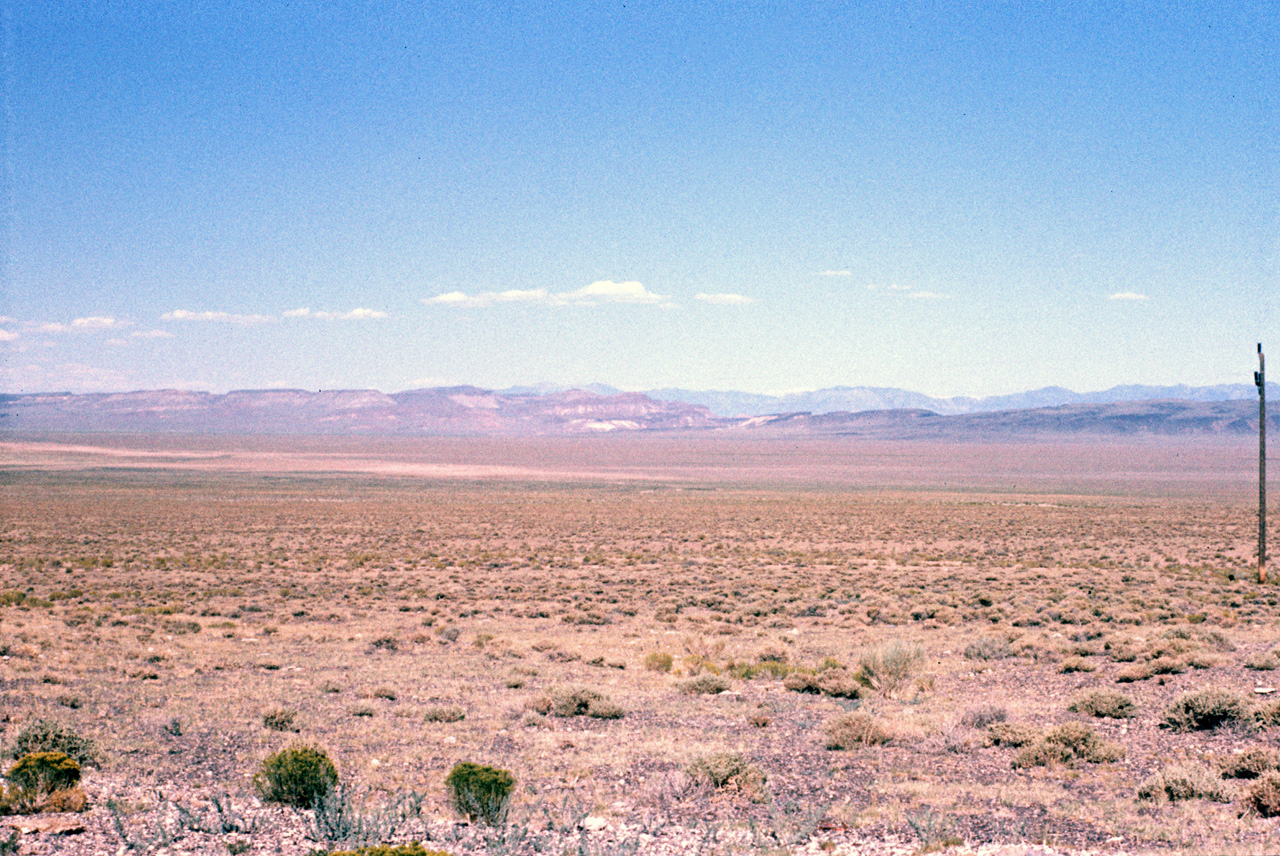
(577, 701)
(990, 648)
(658, 661)
(280, 719)
(1263, 796)
(836, 682)
(1104, 703)
(1267, 715)
(1263, 661)
(1204, 710)
(1075, 664)
(1178, 782)
(42, 781)
(729, 771)
(1250, 763)
(887, 667)
(983, 716)
(444, 713)
(1011, 734)
(1065, 744)
(851, 730)
(706, 684)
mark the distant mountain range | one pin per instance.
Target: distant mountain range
(467, 410)
(859, 398)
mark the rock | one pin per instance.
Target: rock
(595, 824)
(46, 824)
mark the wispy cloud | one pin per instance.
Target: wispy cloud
(7, 335)
(358, 314)
(218, 317)
(601, 291)
(834, 273)
(1127, 295)
(82, 325)
(724, 299)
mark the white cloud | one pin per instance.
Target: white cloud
(7, 335)
(358, 314)
(834, 273)
(1127, 295)
(724, 299)
(95, 322)
(601, 291)
(221, 317)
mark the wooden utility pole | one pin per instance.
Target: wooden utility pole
(1260, 378)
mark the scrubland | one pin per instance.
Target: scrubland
(696, 647)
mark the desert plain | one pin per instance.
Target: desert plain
(674, 643)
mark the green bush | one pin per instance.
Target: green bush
(1183, 782)
(1204, 710)
(414, 849)
(46, 735)
(44, 772)
(479, 793)
(1104, 703)
(850, 730)
(298, 776)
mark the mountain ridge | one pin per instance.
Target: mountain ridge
(469, 410)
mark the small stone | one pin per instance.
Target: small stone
(595, 824)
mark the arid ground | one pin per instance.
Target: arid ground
(779, 645)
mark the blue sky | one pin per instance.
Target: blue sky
(955, 198)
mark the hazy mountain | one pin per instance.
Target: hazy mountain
(859, 398)
(468, 410)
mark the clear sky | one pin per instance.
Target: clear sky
(955, 198)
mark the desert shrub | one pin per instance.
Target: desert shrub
(839, 683)
(729, 771)
(1168, 665)
(576, 701)
(1104, 703)
(297, 775)
(441, 713)
(1204, 710)
(479, 793)
(1266, 661)
(802, 682)
(280, 719)
(1249, 764)
(887, 667)
(850, 730)
(659, 661)
(1075, 664)
(385, 693)
(1071, 741)
(385, 643)
(42, 773)
(981, 717)
(1012, 734)
(1263, 796)
(45, 735)
(703, 685)
(1183, 782)
(1268, 715)
(1133, 673)
(412, 849)
(66, 800)
(989, 648)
